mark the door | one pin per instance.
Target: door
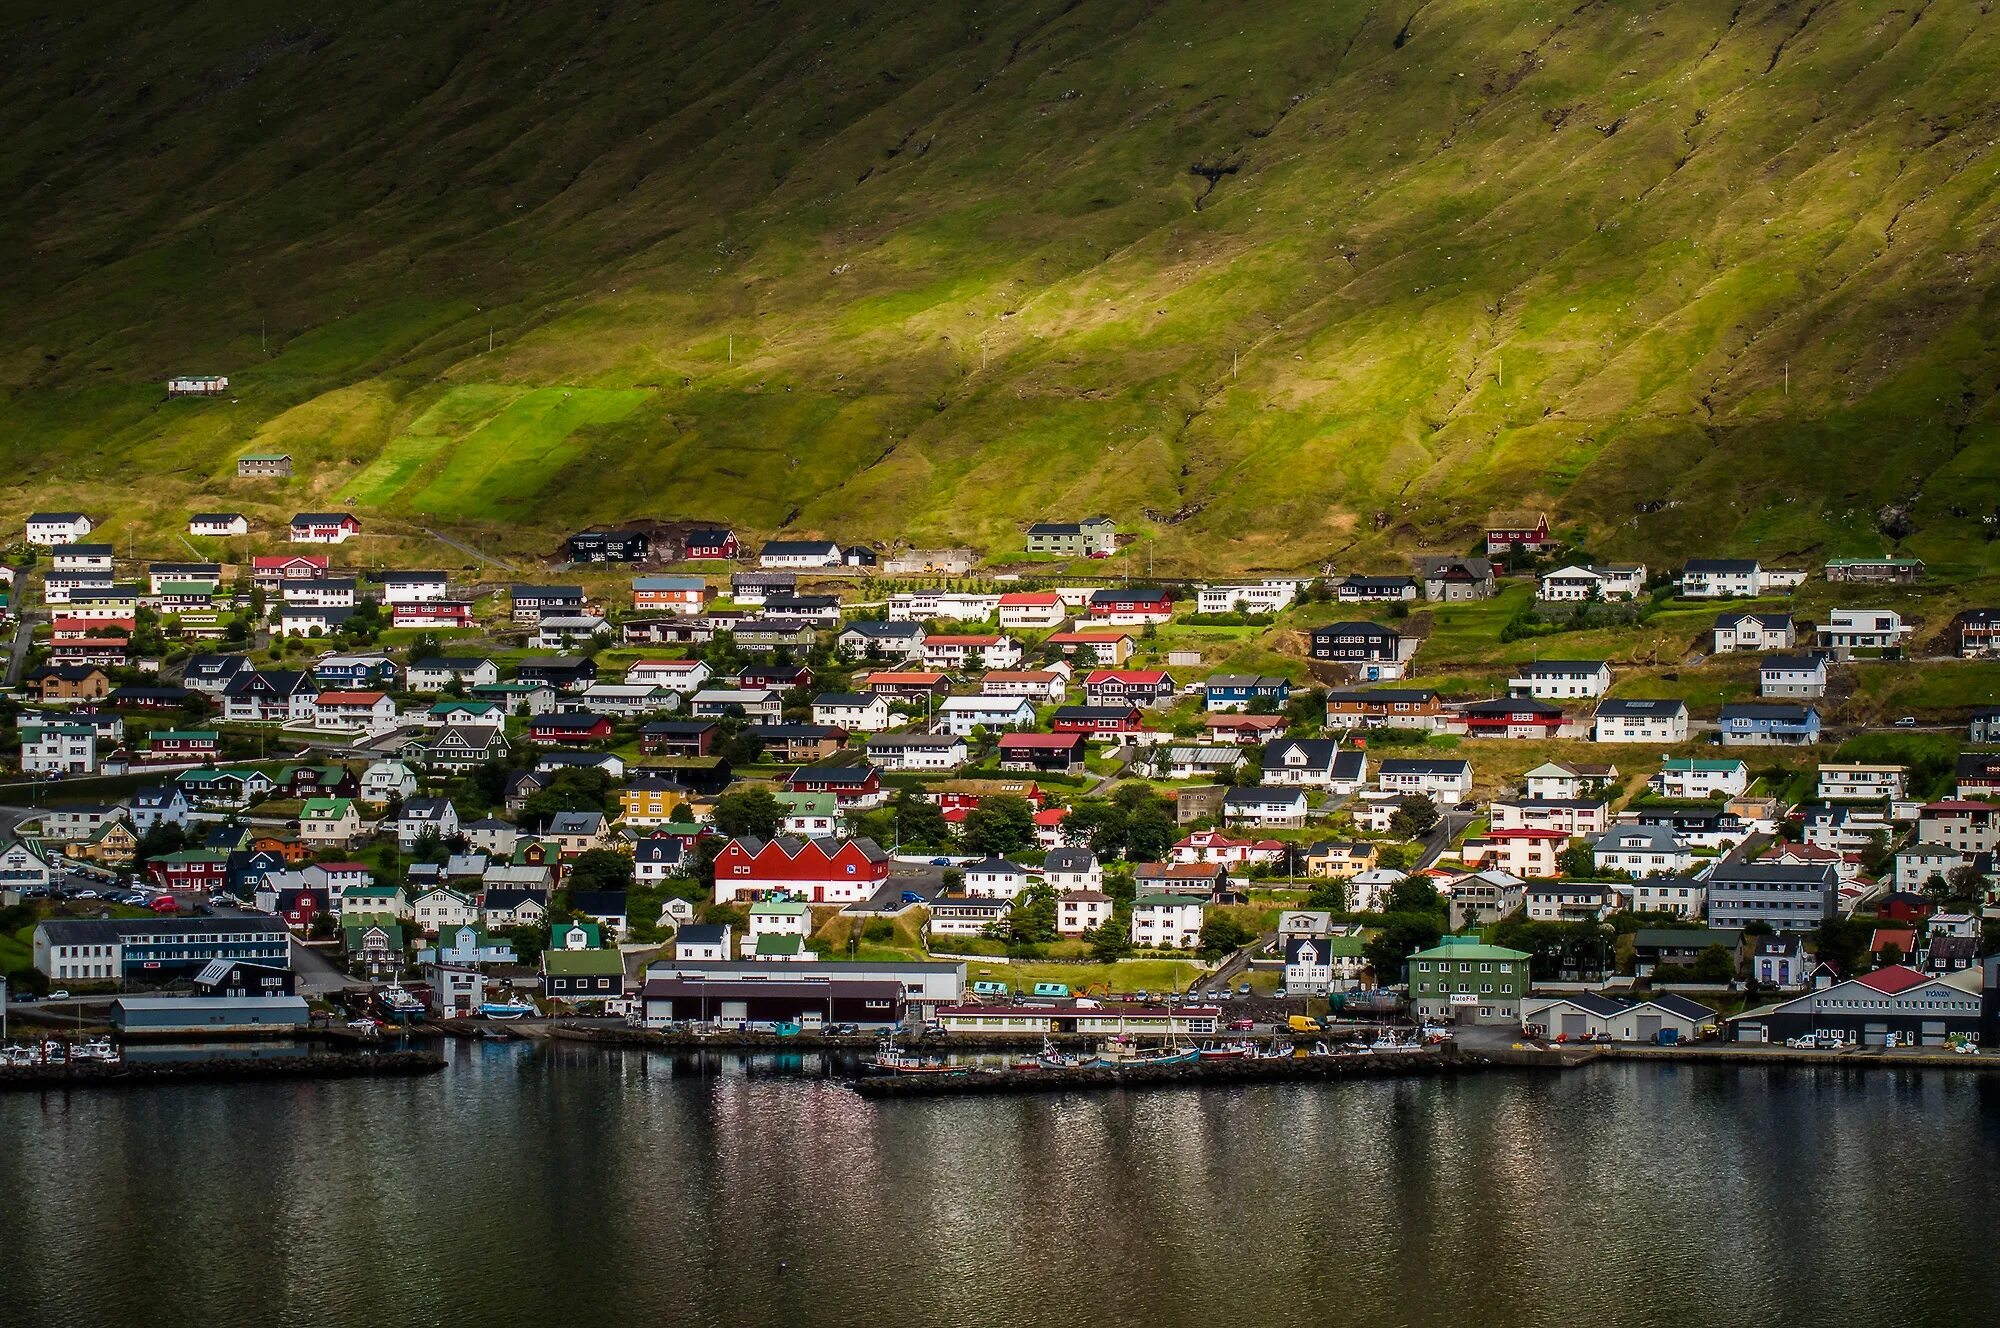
(1575, 1025)
(735, 1011)
(1649, 1028)
(1933, 1033)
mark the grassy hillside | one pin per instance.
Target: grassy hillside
(1270, 283)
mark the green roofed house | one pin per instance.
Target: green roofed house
(1462, 980)
(576, 936)
(583, 975)
(782, 948)
(263, 466)
(329, 823)
(374, 943)
(1695, 780)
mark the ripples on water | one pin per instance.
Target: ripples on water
(577, 1187)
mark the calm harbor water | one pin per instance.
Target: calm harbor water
(572, 1186)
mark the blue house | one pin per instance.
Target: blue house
(1235, 691)
(467, 945)
(357, 672)
(1747, 724)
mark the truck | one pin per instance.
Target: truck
(1304, 1023)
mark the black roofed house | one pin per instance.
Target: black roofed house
(1721, 578)
(607, 908)
(1096, 537)
(710, 543)
(858, 555)
(323, 527)
(529, 604)
(823, 610)
(1375, 653)
(1456, 580)
(1314, 762)
(610, 546)
(1740, 630)
(753, 588)
(212, 674)
(1525, 532)
(564, 673)
(1361, 589)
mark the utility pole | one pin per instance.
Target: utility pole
(1788, 377)
(732, 348)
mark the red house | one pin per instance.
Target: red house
(857, 786)
(206, 872)
(1097, 719)
(1131, 606)
(1513, 717)
(1904, 906)
(906, 683)
(183, 745)
(820, 871)
(323, 527)
(703, 545)
(1526, 531)
(569, 727)
(1058, 752)
(1143, 687)
(445, 613)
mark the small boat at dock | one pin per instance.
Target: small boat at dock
(514, 1008)
(892, 1059)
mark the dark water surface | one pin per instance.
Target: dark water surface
(577, 1187)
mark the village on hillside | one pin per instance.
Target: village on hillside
(675, 779)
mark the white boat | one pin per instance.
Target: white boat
(97, 1049)
(514, 1008)
(1277, 1051)
(892, 1059)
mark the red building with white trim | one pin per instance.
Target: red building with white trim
(819, 871)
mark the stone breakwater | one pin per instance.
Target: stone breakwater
(1293, 1069)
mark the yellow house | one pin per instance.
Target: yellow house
(652, 801)
(1339, 861)
(114, 845)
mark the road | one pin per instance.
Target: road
(1219, 982)
(24, 631)
(1439, 841)
(469, 551)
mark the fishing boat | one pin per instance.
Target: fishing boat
(1052, 1059)
(398, 1003)
(1230, 1051)
(892, 1059)
(515, 1007)
(97, 1049)
(17, 1055)
(1277, 1051)
(1122, 1053)
(1388, 1041)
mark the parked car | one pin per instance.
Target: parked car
(1241, 1025)
(843, 1030)
(1804, 1042)
(60, 994)
(1243, 989)
(1907, 722)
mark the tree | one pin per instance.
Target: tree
(1842, 942)
(568, 791)
(1891, 953)
(1032, 919)
(1413, 894)
(750, 814)
(1716, 963)
(162, 838)
(600, 869)
(1111, 940)
(1401, 933)
(1222, 935)
(1416, 816)
(430, 846)
(1577, 860)
(1962, 887)
(920, 822)
(999, 825)
(1328, 894)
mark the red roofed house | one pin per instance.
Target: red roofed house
(1062, 753)
(819, 871)
(1048, 827)
(83, 629)
(354, 712)
(1214, 846)
(1143, 687)
(1032, 609)
(444, 613)
(323, 527)
(271, 573)
(111, 652)
(1244, 730)
(1903, 940)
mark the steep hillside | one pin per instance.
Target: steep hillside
(1271, 283)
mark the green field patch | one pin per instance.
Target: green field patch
(512, 457)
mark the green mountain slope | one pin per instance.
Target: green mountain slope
(1270, 283)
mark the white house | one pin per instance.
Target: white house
(1266, 808)
(1080, 912)
(1846, 631)
(810, 554)
(1034, 610)
(67, 749)
(699, 944)
(1737, 632)
(1721, 578)
(434, 675)
(1167, 922)
(995, 878)
(1792, 676)
(52, 528)
(218, 525)
(1442, 781)
(1846, 782)
(777, 917)
(1262, 597)
(854, 711)
(1577, 584)
(918, 751)
(369, 713)
(683, 676)
(1622, 719)
(1560, 779)
(1067, 869)
(1561, 679)
(386, 780)
(1640, 850)
(1683, 895)
(962, 714)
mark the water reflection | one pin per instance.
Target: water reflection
(571, 1184)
